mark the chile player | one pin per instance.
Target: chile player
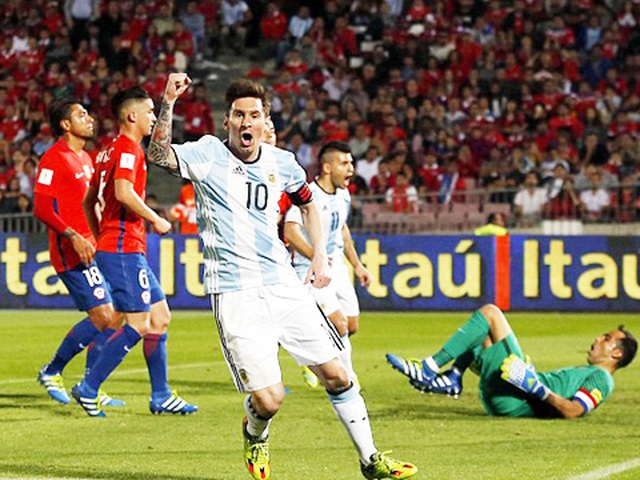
(118, 188)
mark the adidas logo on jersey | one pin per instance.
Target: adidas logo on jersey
(238, 170)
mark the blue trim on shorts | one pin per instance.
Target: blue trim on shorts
(87, 286)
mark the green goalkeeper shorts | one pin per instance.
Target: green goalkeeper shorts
(498, 397)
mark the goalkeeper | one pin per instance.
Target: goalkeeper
(509, 384)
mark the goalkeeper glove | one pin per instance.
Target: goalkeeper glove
(523, 376)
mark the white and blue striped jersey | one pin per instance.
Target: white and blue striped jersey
(334, 212)
(237, 212)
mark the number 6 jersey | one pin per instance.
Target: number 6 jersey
(238, 212)
(121, 231)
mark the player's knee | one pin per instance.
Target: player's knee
(160, 324)
(337, 380)
(491, 312)
(104, 317)
(268, 404)
(160, 317)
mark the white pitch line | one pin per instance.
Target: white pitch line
(606, 472)
(118, 373)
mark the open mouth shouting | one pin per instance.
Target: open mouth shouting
(246, 139)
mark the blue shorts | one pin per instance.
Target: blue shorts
(134, 287)
(86, 286)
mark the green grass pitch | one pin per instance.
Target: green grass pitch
(446, 438)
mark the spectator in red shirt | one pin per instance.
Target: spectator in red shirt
(402, 197)
(184, 211)
(430, 173)
(184, 39)
(273, 27)
(344, 36)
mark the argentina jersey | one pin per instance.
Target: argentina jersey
(334, 211)
(237, 212)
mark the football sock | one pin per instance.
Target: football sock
(95, 348)
(257, 426)
(469, 336)
(464, 361)
(114, 351)
(352, 412)
(77, 339)
(155, 353)
(345, 356)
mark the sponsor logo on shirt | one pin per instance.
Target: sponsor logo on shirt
(80, 175)
(45, 177)
(238, 170)
(127, 160)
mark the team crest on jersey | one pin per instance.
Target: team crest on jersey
(99, 293)
(272, 178)
(146, 297)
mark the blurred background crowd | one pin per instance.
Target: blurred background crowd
(530, 108)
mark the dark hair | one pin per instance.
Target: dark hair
(334, 146)
(123, 97)
(629, 347)
(246, 88)
(59, 110)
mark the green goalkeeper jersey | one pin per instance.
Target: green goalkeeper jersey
(588, 385)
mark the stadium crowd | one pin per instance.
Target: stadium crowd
(90, 49)
(434, 96)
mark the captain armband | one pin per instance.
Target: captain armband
(302, 196)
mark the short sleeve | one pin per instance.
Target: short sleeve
(594, 391)
(125, 167)
(294, 215)
(296, 179)
(195, 159)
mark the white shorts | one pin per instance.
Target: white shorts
(345, 291)
(253, 323)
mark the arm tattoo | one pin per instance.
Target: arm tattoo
(160, 152)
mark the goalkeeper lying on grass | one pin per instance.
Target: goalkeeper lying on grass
(509, 384)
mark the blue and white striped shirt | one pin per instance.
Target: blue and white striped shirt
(334, 212)
(237, 205)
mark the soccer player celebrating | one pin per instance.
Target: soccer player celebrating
(118, 189)
(258, 301)
(62, 181)
(338, 300)
(509, 385)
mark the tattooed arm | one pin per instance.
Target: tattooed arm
(160, 152)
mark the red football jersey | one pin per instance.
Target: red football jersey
(121, 231)
(64, 175)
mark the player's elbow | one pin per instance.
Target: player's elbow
(291, 230)
(122, 193)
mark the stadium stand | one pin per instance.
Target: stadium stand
(465, 97)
